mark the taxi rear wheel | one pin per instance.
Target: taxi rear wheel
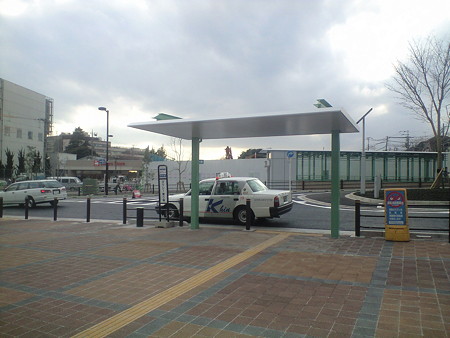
(240, 215)
(173, 211)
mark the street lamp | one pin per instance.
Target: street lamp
(107, 148)
(363, 153)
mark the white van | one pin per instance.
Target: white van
(71, 183)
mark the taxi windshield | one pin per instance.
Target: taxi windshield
(256, 185)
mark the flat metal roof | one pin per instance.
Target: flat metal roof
(323, 121)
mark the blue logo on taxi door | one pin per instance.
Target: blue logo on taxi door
(212, 206)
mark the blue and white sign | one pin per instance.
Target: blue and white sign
(396, 212)
(290, 154)
(162, 184)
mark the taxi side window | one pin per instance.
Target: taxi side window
(227, 188)
(205, 188)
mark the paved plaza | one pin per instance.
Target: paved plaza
(72, 278)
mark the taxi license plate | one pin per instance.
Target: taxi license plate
(285, 198)
(56, 192)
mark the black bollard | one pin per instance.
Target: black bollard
(55, 209)
(88, 210)
(26, 207)
(249, 217)
(180, 216)
(139, 217)
(357, 218)
(1, 207)
(124, 210)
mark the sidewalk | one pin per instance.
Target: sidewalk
(66, 278)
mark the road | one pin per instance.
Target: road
(310, 211)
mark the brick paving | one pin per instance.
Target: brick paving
(59, 279)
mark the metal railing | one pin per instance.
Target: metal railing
(358, 216)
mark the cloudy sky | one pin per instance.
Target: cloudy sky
(213, 59)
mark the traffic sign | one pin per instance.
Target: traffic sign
(290, 154)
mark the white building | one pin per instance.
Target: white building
(25, 120)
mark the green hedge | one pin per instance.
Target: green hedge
(423, 194)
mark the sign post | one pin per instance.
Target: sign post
(290, 155)
(396, 215)
(163, 188)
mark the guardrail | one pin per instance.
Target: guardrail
(358, 216)
(139, 213)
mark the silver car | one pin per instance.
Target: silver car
(34, 192)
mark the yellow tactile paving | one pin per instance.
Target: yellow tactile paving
(125, 317)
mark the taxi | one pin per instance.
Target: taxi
(226, 196)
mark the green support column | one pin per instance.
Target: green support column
(335, 192)
(194, 182)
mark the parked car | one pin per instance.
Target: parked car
(38, 191)
(71, 183)
(226, 198)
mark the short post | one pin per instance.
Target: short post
(26, 207)
(357, 218)
(139, 217)
(342, 184)
(248, 213)
(1, 207)
(55, 209)
(181, 211)
(88, 210)
(449, 222)
(79, 191)
(124, 210)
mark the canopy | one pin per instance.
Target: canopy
(323, 121)
(309, 123)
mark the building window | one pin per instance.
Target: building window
(7, 131)
(30, 135)
(40, 137)
(19, 133)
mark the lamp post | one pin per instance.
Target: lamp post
(363, 152)
(107, 148)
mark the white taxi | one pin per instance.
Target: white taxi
(226, 198)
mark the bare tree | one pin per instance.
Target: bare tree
(176, 145)
(423, 85)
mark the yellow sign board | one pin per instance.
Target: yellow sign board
(396, 215)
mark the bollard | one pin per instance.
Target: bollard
(357, 218)
(124, 210)
(88, 210)
(139, 217)
(249, 217)
(79, 191)
(55, 209)
(1, 207)
(180, 216)
(26, 207)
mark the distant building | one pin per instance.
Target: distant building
(26, 119)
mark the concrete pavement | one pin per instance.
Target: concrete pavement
(72, 278)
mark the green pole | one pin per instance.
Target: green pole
(335, 193)
(194, 182)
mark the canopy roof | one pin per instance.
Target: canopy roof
(319, 122)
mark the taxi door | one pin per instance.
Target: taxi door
(204, 194)
(223, 200)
